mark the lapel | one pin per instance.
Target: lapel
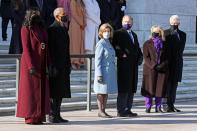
(40, 37)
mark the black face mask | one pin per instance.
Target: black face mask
(64, 18)
(174, 27)
(154, 34)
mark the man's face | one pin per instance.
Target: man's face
(174, 22)
(60, 15)
(127, 20)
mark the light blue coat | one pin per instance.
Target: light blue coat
(105, 67)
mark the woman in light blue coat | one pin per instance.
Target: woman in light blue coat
(105, 81)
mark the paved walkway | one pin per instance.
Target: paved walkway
(88, 121)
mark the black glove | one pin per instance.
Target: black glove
(159, 68)
(100, 79)
(32, 71)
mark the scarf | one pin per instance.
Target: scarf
(158, 44)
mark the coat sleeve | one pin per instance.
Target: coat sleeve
(147, 57)
(116, 45)
(25, 38)
(98, 59)
(51, 41)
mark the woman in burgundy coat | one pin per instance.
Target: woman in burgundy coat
(155, 70)
(33, 99)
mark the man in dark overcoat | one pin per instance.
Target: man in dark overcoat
(109, 12)
(6, 14)
(60, 58)
(129, 56)
(176, 40)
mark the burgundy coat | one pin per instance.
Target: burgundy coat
(154, 83)
(33, 97)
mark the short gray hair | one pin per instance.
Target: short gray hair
(57, 11)
(175, 17)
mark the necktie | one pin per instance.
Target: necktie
(131, 35)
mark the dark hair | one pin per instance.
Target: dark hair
(32, 18)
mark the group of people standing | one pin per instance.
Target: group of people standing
(82, 15)
(46, 63)
(162, 68)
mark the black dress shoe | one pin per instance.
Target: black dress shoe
(62, 120)
(131, 114)
(159, 110)
(170, 109)
(147, 110)
(122, 115)
(53, 119)
(176, 110)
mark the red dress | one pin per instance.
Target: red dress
(33, 96)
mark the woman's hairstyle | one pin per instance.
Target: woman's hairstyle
(30, 20)
(102, 29)
(161, 31)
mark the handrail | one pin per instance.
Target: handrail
(89, 58)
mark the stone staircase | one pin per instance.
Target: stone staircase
(187, 89)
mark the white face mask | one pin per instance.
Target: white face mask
(106, 35)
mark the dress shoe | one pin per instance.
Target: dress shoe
(131, 114)
(170, 109)
(122, 115)
(159, 110)
(53, 119)
(147, 110)
(62, 120)
(176, 110)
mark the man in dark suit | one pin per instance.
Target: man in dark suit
(60, 64)
(109, 12)
(176, 43)
(6, 14)
(129, 56)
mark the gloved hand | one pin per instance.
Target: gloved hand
(100, 79)
(158, 67)
(32, 71)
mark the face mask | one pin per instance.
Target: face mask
(106, 35)
(64, 19)
(174, 27)
(154, 34)
(127, 26)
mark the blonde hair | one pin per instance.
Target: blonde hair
(161, 31)
(103, 27)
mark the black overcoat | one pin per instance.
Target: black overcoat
(175, 54)
(60, 59)
(127, 68)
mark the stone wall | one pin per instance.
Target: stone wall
(150, 12)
